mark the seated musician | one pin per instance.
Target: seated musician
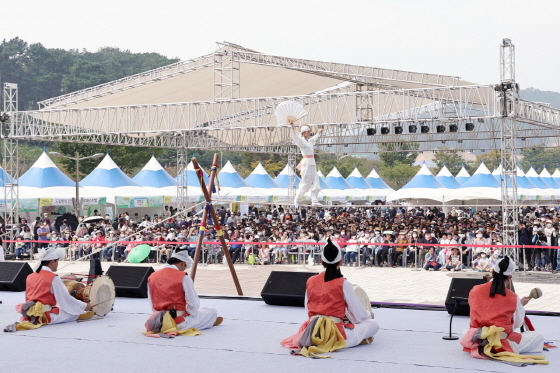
(329, 300)
(47, 300)
(493, 304)
(175, 302)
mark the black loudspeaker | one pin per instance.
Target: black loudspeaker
(13, 275)
(130, 282)
(285, 288)
(460, 287)
(94, 270)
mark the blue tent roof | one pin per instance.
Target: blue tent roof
(462, 176)
(535, 179)
(482, 178)
(259, 178)
(153, 175)
(283, 177)
(356, 180)
(4, 176)
(375, 181)
(108, 175)
(336, 181)
(191, 179)
(447, 179)
(45, 174)
(229, 178)
(523, 181)
(547, 177)
(423, 179)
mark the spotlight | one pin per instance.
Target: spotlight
(424, 129)
(385, 130)
(398, 130)
(412, 128)
(4, 117)
(440, 129)
(453, 128)
(370, 131)
(469, 127)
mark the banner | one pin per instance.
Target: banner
(56, 202)
(25, 205)
(156, 201)
(257, 199)
(94, 200)
(278, 198)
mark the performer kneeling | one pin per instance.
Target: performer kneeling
(174, 301)
(329, 300)
(496, 312)
(47, 300)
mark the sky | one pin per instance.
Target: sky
(449, 37)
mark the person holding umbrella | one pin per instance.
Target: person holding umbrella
(175, 302)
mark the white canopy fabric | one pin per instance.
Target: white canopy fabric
(423, 185)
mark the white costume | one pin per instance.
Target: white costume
(200, 318)
(309, 176)
(69, 307)
(531, 341)
(364, 325)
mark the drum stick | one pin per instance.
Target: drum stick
(105, 301)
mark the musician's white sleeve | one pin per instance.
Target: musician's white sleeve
(64, 300)
(353, 303)
(519, 315)
(193, 303)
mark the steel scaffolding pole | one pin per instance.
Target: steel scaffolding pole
(11, 159)
(292, 178)
(226, 74)
(508, 95)
(182, 179)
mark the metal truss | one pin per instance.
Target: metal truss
(226, 74)
(509, 134)
(346, 71)
(333, 109)
(11, 159)
(182, 179)
(292, 178)
(129, 82)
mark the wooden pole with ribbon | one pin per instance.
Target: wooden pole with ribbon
(209, 209)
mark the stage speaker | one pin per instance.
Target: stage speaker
(460, 287)
(130, 282)
(285, 288)
(13, 275)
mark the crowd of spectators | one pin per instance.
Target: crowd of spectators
(368, 236)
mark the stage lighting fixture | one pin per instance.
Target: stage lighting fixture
(412, 128)
(424, 129)
(385, 130)
(469, 126)
(370, 131)
(398, 130)
(440, 129)
(453, 128)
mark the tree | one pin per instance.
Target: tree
(407, 156)
(539, 158)
(491, 159)
(398, 175)
(450, 158)
(129, 159)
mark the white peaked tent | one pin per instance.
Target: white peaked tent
(482, 185)
(447, 179)
(549, 180)
(264, 183)
(462, 176)
(231, 184)
(283, 178)
(423, 186)
(156, 180)
(497, 173)
(107, 179)
(338, 188)
(4, 176)
(526, 189)
(357, 181)
(556, 175)
(320, 174)
(382, 189)
(540, 183)
(45, 180)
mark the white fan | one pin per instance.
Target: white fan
(289, 110)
